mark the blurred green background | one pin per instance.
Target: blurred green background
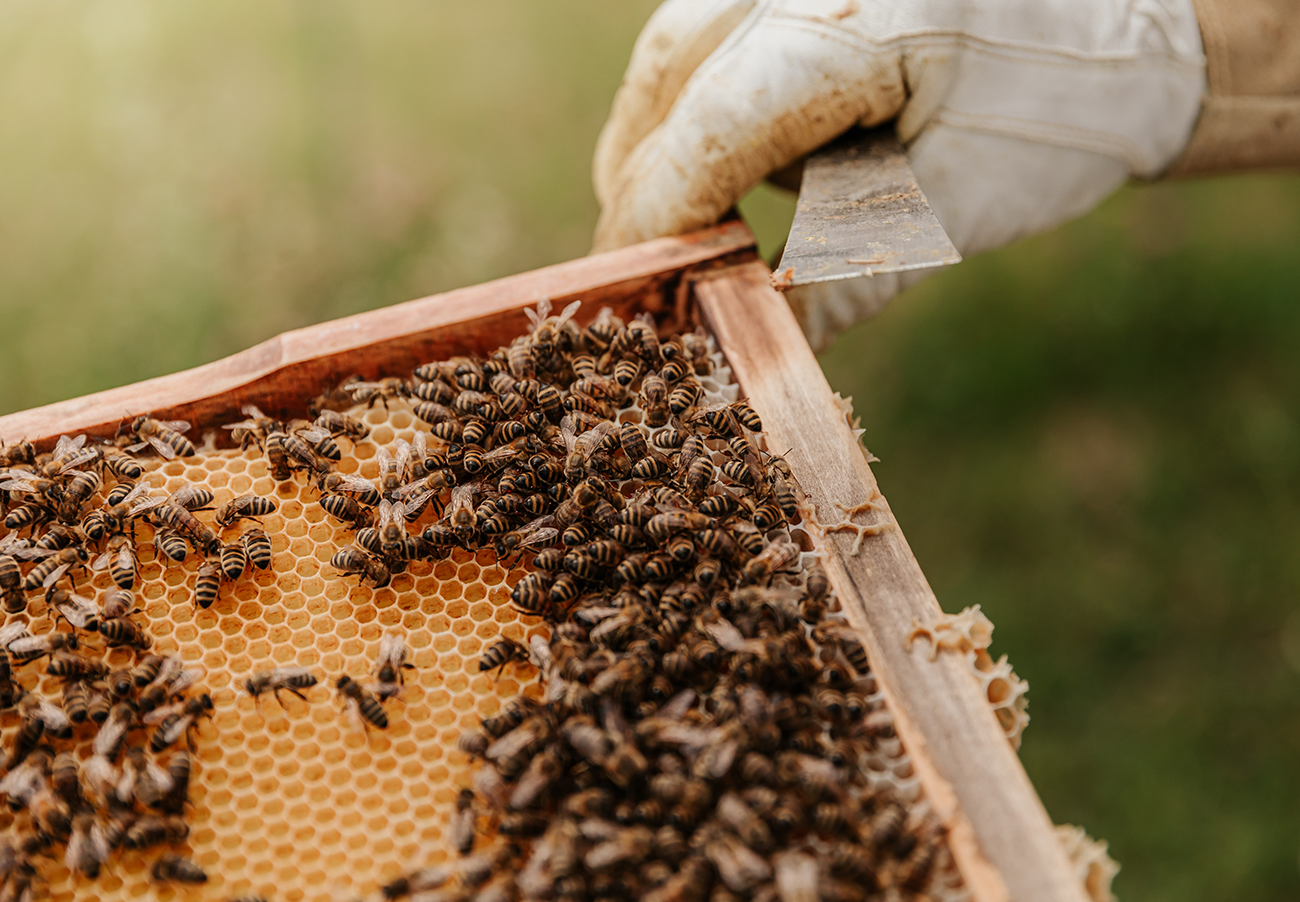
(1093, 434)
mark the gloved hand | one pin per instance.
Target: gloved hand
(1017, 114)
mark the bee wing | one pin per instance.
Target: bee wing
(67, 444)
(167, 671)
(101, 562)
(55, 574)
(251, 411)
(282, 675)
(420, 446)
(353, 708)
(184, 680)
(32, 554)
(139, 490)
(100, 775)
(21, 781)
(159, 714)
(26, 483)
(539, 315)
(12, 631)
(568, 313)
(313, 433)
(416, 502)
(383, 458)
(78, 611)
(159, 776)
(403, 455)
(79, 459)
(164, 450)
(177, 425)
(55, 720)
(568, 431)
(110, 733)
(351, 482)
(148, 504)
(541, 535)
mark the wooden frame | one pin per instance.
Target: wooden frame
(999, 833)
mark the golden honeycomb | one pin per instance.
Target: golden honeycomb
(292, 803)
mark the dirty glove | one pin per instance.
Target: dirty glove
(1017, 114)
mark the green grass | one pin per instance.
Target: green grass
(1093, 434)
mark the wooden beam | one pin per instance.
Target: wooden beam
(999, 832)
(282, 374)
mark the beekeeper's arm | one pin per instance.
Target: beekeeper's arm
(1017, 114)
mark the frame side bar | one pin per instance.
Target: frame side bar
(286, 371)
(998, 830)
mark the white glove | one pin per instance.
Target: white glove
(1017, 114)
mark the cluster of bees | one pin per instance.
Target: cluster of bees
(73, 510)
(706, 721)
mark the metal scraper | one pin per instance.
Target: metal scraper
(860, 213)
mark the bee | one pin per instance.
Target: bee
(347, 509)
(393, 468)
(30, 731)
(319, 439)
(747, 825)
(177, 724)
(26, 648)
(650, 468)
(180, 519)
(775, 557)
(463, 821)
(353, 560)
(277, 454)
(393, 653)
(76, 493)
(532, 593)
(87, 847)
(120, 683)
(152, 830)
(174, 869)
(383, 390)
(363, 490)
(122, 563)
(534, 533)
(361, 703)
(207, 585)
(21, 481)
(164, 436)
(550, 333)
(17, 454)
(501, 653)
(460, 509)
(233, 560)
(603, 328)
(626, 371)
(76, 702)
(718, 419)
(178, 768)
(257, 546)
(662, 526)
(255, 429)
(392, 529)
(291, 679)
(642, 338)
(684, 397)
(243, 507)
(48, 571)
(31, 514)
(172, 679)
(120, 631)
(654, 399)
(148, 668)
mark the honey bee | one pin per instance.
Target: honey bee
(460, 509)
(48, 571)
(551, 333)
(501, 653)
(361, 704)
(383, 391)
(76, 493)
(243, 507)
(164, 436)
(662, 526)
(88, 847)
(72, 667)
(340, 424)
(257, 546)
(32, 514)
(775, 557)
(118, 631)
(363, 490)
(392, 659)
(152, 830)
(26, 647)
(76, 704)
(174, 869)
(347, 509)
(463, 821)
(654, 399)
(354, 560)
(175, 724)
(290, 679)
(208, 583)
(120, 560)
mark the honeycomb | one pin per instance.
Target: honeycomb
(292, 803)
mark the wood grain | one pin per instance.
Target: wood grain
(282, 374)
(999, 832)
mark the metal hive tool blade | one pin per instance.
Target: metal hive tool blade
(861, 213)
